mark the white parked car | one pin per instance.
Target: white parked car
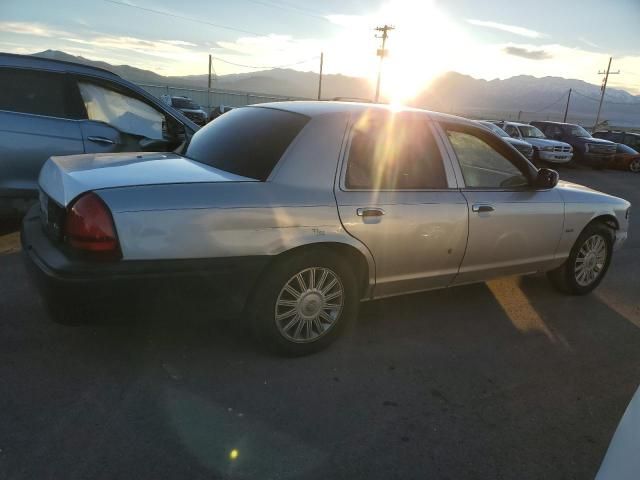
(295, 212)
(545, 149)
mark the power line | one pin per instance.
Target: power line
(263, 67)
(292, 8)
(607, 102)
(189, 19)
(551, 104)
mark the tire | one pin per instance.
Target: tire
(306, 325)
(567, 279)
(634, 165)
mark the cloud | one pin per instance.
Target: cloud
(30, 28)
(588, 42)
(526, 53)
(180, 43)
(521, 31)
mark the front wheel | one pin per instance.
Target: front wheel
(304, 303)
(588, 261)
(634, 165)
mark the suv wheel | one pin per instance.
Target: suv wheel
(304, 302)
(587, 263)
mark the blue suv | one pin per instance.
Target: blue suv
(50, 107)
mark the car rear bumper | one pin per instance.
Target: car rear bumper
(61, 274)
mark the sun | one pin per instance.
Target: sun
(424, 44)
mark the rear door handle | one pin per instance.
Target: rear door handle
(106, 141)
(482, 208)
(370, 212)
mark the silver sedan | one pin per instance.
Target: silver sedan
(293, 213)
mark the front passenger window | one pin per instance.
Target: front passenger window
(483, 166)
(127, 114)
(395, 153)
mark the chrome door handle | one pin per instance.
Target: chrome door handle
(482, 208)
(370, 212)
(106, 141)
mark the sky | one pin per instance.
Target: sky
(486, 39)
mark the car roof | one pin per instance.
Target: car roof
(317, 108)
(551, 122)
(517, 124)
(62, 66)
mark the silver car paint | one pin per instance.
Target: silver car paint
(120, 170)
(303, 203)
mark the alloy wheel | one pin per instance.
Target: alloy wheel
(309, 305)
(634, 166)
(590, 260)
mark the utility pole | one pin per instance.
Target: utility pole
(603, 88)
(566, 109)
(209, 89)
(382, 53)
(320, 79)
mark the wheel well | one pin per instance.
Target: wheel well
(349, 253)
(608, 220)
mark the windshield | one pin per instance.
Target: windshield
(578, 131)
(529, 131)
(495, 129)
(246, 141)
(622, 148)
(184, 103)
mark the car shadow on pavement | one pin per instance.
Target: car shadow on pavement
(507, 379)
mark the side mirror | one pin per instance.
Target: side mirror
(546, 178)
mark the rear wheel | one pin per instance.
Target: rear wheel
(305, 302)
(588, 261)
(634, 165)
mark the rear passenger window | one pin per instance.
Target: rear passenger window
(394, 153)
(247, 141)
(34, 92)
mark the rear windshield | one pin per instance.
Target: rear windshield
(247, 141)
(184, 103)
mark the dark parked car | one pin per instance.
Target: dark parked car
(50, 107)
(523, 147)
(188, 107)
(629, 139)
(594, 152)
(219, 110)
(626, 159)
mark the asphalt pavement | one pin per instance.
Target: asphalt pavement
(504, 380)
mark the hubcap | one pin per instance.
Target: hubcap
(309, 305)
(590, 260)
(634, 166)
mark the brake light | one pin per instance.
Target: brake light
(89, 226)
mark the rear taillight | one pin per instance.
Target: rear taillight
(89, 226)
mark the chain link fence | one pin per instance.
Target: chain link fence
(209, 99)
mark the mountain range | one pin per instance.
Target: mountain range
(523, 96)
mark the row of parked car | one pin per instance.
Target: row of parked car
(563, 143)
(192, 110)
(50, 107)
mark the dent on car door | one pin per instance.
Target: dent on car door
(514, 228)
(398, 197)
(37, 116)
(117, 121)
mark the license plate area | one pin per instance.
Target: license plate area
(51, 216)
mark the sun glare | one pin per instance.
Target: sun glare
(422, 46)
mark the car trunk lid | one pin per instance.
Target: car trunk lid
(64, 178)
